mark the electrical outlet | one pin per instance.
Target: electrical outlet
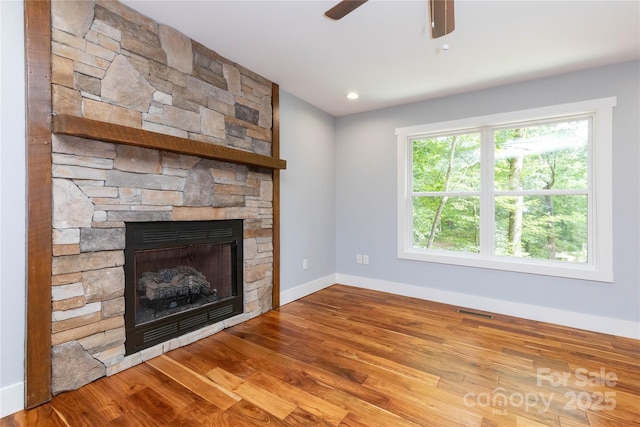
(365, 259)
(359, 259)
(305, 264)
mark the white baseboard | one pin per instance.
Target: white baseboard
(11, 399)
(305, 289)
(606, 325)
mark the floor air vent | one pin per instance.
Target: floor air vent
(475, 313)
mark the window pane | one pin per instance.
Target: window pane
(446, 223)
(542, 157)
(542, 227)
(447, 163)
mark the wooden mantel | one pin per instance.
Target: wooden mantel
(109, 132)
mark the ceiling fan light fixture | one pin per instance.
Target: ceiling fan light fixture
(353, 95)
(442, 17)
(343, 8)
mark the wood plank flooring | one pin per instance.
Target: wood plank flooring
(350, 357)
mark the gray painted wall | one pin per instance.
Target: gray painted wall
(308, 203)
(366, 195)
(12, 198)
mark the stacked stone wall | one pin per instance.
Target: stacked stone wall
(110, 63)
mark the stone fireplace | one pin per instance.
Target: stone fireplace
(111, 65)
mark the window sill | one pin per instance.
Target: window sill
(530, 266)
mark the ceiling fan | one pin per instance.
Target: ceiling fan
(442, 19)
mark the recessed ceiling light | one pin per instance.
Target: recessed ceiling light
(352, 95)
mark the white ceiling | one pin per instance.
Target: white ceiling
(383, 49)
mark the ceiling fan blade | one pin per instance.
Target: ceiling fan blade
(343, 8)
(442, 18)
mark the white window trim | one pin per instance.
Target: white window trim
(600, 265)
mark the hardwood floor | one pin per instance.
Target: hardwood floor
(351, 357)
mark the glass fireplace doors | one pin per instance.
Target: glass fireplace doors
(179, 277)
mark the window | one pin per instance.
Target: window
(526, 191)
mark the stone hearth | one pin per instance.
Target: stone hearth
(114, 65)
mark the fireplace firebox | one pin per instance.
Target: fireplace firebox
(179, 277)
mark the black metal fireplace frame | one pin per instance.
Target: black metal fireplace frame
(157, 235)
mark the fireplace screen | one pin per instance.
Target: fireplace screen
(180, 276)
(176, 279)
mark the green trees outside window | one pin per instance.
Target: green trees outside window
(527, 191)
(538, 186)
(446, 189)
